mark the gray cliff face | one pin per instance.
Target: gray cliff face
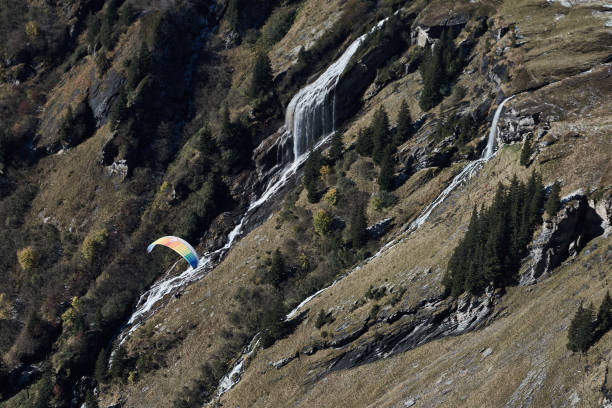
(427, 322)
(561, 237)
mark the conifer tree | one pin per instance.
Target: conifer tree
(580, 333)
(261, 81)
(365, 145)
(496, 239)
(335, 150)
(119, 109)
(385, 177)
(525, 152)
(117, 370)
(553, 203)
(604, 315)
(381, 135)
(433, 76)
(100, 369)
(357, 227)
(138, 68)
(312, 176)
(403, 131)
(204, 141)
(276, 273)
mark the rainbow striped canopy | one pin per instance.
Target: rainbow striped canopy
(180, 246)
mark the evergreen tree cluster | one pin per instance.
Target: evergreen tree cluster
(585, 329)
(234, 141)
(261, 81)
(439, 70)
(496, 239)
(380, 143)
(105, 30)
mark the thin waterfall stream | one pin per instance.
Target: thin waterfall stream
(234, 375)
(309, 121)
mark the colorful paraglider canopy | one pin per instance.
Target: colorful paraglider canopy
(180, 246)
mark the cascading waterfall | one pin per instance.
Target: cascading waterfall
(309, 121)
(465, 174)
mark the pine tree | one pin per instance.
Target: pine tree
(66, 125)
(100, 369)
(261, 81)
(138, 68)
(119, 366)
(526, 152)
(276, 273)
(403, 131)
(496, 239)
(580, 333)
(357, 228)
(365, 145)
(385, 177)
(553, 203)
(119, 109)
(204, 141)
(604, 315)
(312, 176)
(433, 76)
(380, 133)
(335, 150)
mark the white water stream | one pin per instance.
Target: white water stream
(310, 122)
(461, 178)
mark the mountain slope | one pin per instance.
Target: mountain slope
(385, 332)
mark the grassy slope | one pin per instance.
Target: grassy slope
(528, 341)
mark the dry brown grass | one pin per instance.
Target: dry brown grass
(530, 331)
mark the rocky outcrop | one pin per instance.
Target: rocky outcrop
(103, 93)
(276, 149)
(603, 208)
(379, 229)
(118, 168)
(561, 237)
(515, 127)
(433, 320)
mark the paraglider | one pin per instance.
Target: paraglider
(180, 246)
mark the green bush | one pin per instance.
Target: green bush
(376, 293)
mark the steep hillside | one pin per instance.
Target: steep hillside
(371, 187)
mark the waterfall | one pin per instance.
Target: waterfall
(463, 176)
(311, 112)
(309, 121)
